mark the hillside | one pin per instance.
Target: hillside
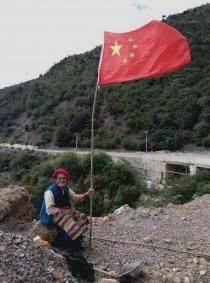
(54, 108)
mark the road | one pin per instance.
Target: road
(201, 158)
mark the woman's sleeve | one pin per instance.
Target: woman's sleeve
(76, 197)
(50, 203)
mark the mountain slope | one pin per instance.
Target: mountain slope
(175, 108)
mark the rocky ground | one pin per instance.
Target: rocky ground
(22, 260)
(185, 227)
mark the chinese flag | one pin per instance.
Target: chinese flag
(148, 52)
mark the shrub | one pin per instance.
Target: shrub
(187, 188)
(114, 183)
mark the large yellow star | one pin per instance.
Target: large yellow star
(115, 48)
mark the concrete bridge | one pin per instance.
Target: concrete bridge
(162, 165)
(155, 166)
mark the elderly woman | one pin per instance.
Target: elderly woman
(56, 209)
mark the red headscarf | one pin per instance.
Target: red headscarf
(61, 171)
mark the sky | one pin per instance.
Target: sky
(36, 34)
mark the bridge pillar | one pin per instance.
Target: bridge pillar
(193, 169)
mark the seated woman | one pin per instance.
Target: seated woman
(56, 210)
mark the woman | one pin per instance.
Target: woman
(56, 209)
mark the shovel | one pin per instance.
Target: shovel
(127, 272)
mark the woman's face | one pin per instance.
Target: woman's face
(61, 180)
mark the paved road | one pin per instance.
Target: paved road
(199, 158)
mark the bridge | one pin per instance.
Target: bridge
(162, 165)
(155, 166)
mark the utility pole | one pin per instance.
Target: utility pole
(26, 134)
(76, 142)
(146, 141)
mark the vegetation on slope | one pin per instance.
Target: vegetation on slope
(175, 108)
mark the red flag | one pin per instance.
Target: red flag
(148, 52)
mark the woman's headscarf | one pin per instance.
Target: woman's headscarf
(61, 171)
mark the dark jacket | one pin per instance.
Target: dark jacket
(61, 199)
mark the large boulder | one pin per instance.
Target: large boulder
(15, 203)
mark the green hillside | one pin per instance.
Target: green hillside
(54, 108)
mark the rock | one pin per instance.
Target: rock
(186, 280)
(154, 213)
(105, 280)
(195, 260)
(29, 262)
(15, 202)
(148, 239)
(2, 249)
(170, 260)
(103, 267)
(168, 241)
(176, 279)
(202, 272)
(21, 227)
(37, 239)
(50, 269)
(176, 269)
(203, 261)
(122, 209)
(39, 230)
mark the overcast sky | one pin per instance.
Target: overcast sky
(35, 34)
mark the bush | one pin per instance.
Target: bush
(114, 183)
(206, 141)
(187, 188)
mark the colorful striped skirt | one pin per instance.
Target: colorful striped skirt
(73, 222)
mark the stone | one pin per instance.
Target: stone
(15, 202)
(170, 260)
(176, 269)
(202, 272)
(154, 213)
(204, 261)
(39, 230)
(50, 269)
(21, 227)
(168, 241)
(195, 260)
(148, 239)
(176, 279)
(122, 209)
(186, 280)
(105, 280)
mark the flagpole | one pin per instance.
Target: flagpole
(91, 163)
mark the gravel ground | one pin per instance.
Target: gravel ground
(22, 260)
(184, 227)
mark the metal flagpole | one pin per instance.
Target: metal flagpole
(91, 163)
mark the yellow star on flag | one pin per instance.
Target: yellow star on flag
(115, 48)
(131, 55)
(135, 46)
(130, 39)
(125, 60)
